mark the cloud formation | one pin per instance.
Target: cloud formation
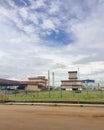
(41, 35)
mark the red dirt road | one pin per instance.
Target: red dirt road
(25, 117)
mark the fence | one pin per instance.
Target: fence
(91, 95)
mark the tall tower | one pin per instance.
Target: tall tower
(72, 75)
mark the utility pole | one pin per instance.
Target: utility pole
(78, 73)
(53, 83)
(49, 82)
(86, 83)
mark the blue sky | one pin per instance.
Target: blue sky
(56, 35)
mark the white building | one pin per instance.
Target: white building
(72, 83)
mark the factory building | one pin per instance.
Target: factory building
(8, 84)
(72, 83)
(88, 84)
(32, 84)
(35, 83)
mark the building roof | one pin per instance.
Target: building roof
(88, 81)
(39, 77)
(71, 80)
(6, 82)
(72, 71)
(30, 83)
(71, 85)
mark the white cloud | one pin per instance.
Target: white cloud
(48, 24)
(24, 53)
(24, 13)
(37, 4)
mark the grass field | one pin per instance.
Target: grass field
(93, 96)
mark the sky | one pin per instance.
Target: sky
(55, 35)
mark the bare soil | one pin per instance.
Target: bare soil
(31, 117)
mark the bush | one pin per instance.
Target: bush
(3, 98)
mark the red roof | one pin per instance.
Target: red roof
(70, 80)
(28, 83)
(13, 82)
(39, 77)
(6, 81)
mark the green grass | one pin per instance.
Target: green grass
(92, 96)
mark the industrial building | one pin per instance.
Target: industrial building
(72, 83)
(8, 84)
(92, 85)
(32, 84)
(88, 84)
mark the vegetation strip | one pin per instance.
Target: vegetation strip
(95, 97)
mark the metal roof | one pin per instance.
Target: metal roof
(6, 82)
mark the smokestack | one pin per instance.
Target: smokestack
(48, 80)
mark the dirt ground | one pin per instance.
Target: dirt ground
(31, 117)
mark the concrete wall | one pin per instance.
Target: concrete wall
(71, 83)
(72, 75)
(32, 88)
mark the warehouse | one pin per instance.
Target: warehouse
(32, 84)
